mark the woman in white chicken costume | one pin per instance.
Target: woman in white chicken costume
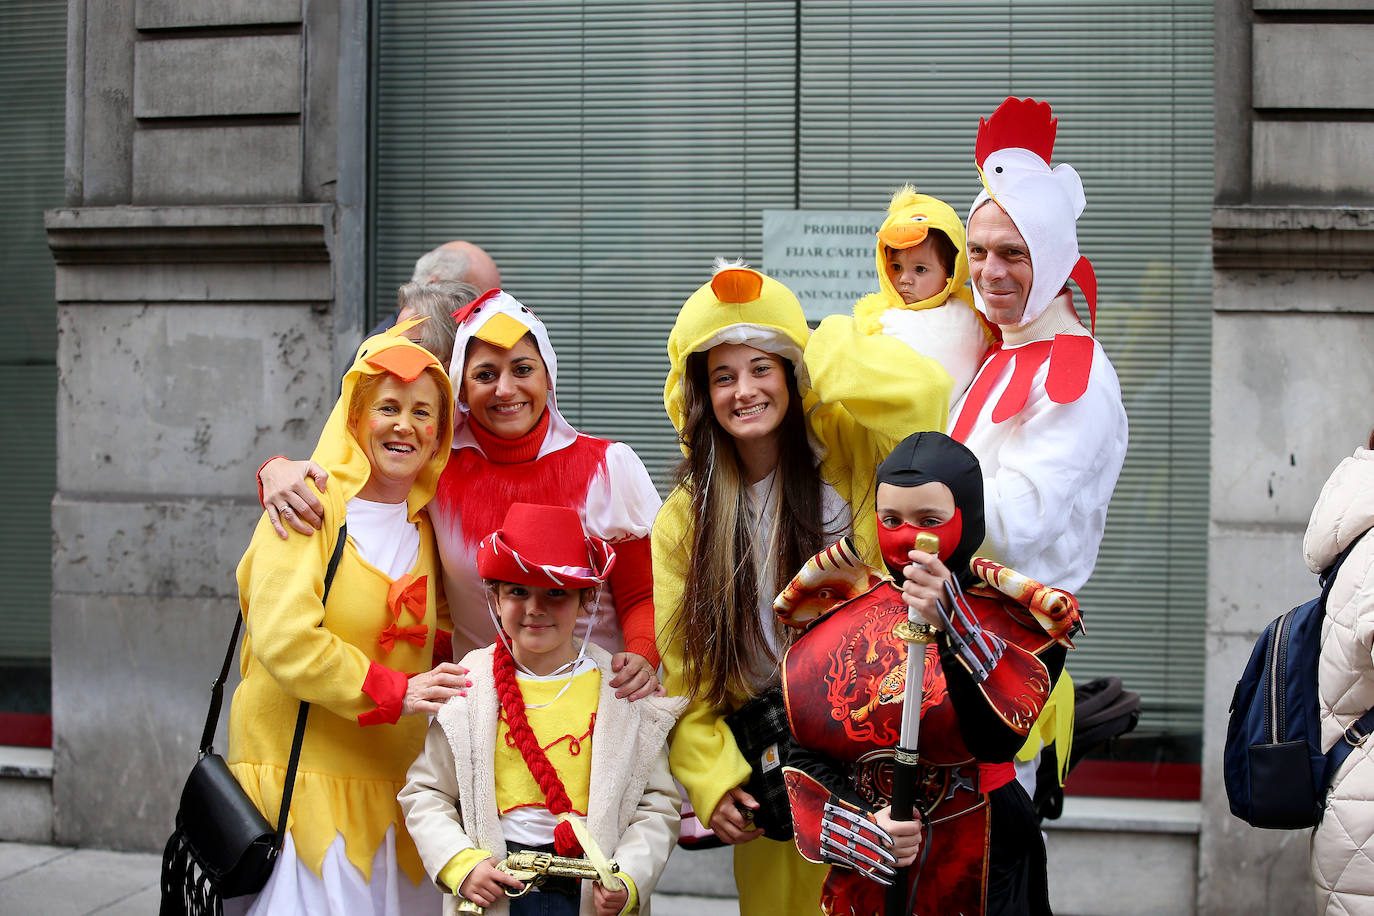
(1044, 414)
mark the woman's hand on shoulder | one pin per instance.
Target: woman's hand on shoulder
(286, 497)
(730, 823)
(484, 883)
(635, 679)
(429, 690)
(924, 585)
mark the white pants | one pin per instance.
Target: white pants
(340, 889)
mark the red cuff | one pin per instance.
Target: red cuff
(386, 688)
(646, 647)
(443, 646)
(259, 477)
(632, 584)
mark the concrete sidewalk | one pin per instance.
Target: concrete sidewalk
(58, 881)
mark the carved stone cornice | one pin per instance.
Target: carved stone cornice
(250, 253)
(1292, 238)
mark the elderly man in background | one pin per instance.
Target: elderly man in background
(457, 260)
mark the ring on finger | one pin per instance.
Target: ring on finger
(283, 509)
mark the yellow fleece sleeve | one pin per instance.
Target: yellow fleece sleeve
(869, 392)
(702, 752)
(632, 901)
(452, 875)
(443, 620)
(888, 388)
(281, 594)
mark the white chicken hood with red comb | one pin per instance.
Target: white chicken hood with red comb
(471, 319)
(1012, 152)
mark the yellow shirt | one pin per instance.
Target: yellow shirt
(564, 730)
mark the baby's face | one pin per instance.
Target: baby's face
(916, 273)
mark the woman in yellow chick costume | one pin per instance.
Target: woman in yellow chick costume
(363, 659)
(782, 430)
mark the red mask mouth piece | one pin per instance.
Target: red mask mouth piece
(897, 543)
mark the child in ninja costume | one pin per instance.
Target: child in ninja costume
(541, 745)
(923, 298)
(999, 646)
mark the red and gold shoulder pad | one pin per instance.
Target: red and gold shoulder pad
(1053, 609)
(827, 580)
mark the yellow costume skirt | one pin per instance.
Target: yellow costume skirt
(772, 877)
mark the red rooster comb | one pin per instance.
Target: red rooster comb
(464, 312)
(1023, 123)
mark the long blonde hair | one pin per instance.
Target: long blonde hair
(719, 625)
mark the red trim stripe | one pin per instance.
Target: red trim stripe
(1135, 779)
(25, 729)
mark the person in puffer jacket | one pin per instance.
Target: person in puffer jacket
(1342, 862)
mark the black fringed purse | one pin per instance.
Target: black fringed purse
(222, 846)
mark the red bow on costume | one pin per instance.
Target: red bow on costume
(408, 593)
(414, 634)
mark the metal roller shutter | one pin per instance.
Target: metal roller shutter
(891, 95)
(602, 155)
(32, 81)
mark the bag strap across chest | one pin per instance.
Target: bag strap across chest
(207, 737)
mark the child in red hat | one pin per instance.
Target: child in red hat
(540, 754)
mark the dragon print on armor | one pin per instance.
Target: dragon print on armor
(872, 656)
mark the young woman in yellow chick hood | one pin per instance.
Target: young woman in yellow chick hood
(362, 659)
(782, 430)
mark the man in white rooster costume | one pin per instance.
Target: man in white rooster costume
(1044, 414)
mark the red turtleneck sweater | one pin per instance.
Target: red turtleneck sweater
(479, 485)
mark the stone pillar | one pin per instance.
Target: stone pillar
(208, 284)
(1293, 260)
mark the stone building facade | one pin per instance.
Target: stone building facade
(207, 261)
(1293, 334)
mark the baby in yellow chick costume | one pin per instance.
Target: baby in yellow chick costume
(923, 297)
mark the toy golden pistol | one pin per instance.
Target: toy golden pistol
(532, 868)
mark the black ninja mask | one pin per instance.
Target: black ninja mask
(929, 456)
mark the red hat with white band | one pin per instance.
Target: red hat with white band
(544, 547)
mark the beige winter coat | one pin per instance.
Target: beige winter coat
(632, 805)
(1343, 844)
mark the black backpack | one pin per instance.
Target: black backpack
(1102, 711)
(1276, 774)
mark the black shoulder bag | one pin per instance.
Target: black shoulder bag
(763, 737)
(222, 845)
